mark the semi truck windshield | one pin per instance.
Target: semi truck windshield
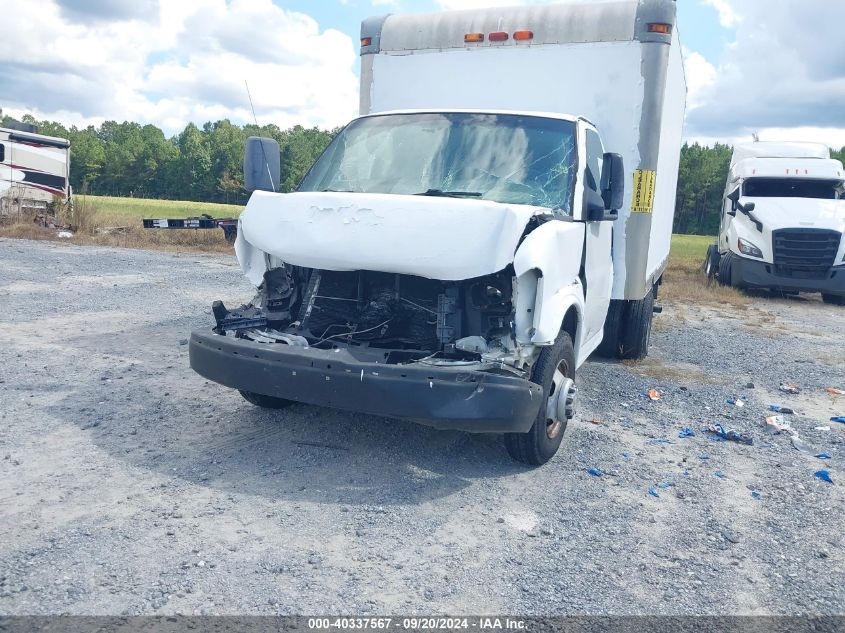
(500, 157)
(792, 188)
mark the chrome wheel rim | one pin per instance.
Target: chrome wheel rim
(560, 405)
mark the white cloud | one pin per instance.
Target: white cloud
(700, 74)
(785, 71)
(183, 61)
(727, 15)
(834, 138)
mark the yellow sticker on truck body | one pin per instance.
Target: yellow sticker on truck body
(643, 196)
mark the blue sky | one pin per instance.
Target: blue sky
(770, 67)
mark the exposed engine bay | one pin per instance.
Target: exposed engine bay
(408, 319)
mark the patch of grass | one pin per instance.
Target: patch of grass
(127, 210)
(684, 280)
(109, 221)
(679, 373)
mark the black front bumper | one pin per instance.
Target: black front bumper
(748, 273)
(474, 401)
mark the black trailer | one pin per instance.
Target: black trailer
(229, 225)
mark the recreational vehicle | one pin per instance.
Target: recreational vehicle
(34, 171)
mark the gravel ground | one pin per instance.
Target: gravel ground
(130, 485)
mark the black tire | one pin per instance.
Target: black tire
(541, 442)
(725, 271)
(711, 262)
(637, 328)
(265, 402)
(616, 313)
(834, 300)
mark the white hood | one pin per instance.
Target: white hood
(789, 213)
(439, 238)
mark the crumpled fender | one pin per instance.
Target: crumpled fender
(547, 264)
(252, 260)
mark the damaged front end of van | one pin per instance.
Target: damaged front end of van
(363, 304)
(417, 273)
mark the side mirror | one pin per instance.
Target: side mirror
(262, 164)
(613, 182)
(594, 210)
(749, 207)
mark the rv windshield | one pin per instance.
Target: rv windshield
(501, 157)
(792, 188)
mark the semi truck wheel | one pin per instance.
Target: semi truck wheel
(555, 371)
(609, 347)
(724, 271)
(636, 332)
(265, 402)
(711, 261)
(834, 300)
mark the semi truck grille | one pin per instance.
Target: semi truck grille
(804, 253)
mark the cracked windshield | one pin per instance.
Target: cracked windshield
(504, 158)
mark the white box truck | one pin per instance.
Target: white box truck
(453, 256)
(782, 221)
(34, 170)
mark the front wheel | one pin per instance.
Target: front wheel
(265, 402)
(834, 300)
(555, 371)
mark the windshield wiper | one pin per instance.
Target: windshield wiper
(450, 194)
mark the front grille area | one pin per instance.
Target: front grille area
(805, 253)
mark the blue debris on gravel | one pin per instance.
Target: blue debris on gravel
(653, 492)
(686, 432)
(824, 475)
(720, 474)
(595, 472)
(756, 494)
(720, 434)
(838, 418)
(824, 456)
(779, 409)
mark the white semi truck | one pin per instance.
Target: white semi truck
(501, 207)
(34, 170)
(782, 221)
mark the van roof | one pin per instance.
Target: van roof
(560, 23)
(544, 115)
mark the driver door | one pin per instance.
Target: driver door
(598, 246)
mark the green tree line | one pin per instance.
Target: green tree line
(206, 164)
(203, 164)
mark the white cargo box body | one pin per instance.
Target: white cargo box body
(603, 61)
